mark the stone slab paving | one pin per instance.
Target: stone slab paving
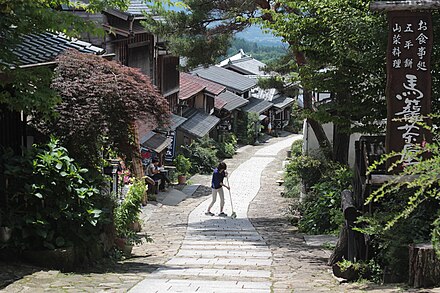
(230, 263)
(215, 232)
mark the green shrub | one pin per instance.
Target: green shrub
(227, 147)
(305, 168)
(183, 165)
(202, 154)
(129, 211)
(297, 148)
(321, 208)
(247, 131)
(52, 202)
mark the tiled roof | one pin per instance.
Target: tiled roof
(210, 87)
(188, 86)
(264, 94)
(257, 106)
(231, 80)
(232, 100)
(282, 102)
(199, 124)
(155, 141)
(247, 65)
(45, 47)
(137, 7)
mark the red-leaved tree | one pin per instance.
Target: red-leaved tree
(101, 100)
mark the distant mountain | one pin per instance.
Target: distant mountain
(255, 34)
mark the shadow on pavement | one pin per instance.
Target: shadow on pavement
(13, 271)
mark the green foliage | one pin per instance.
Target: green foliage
(202, 154)
(415, 189)
(305, 168)
(349, 41)
(321, 208)
(202, 31)
(129, 211)
(51, 202)
(297, 148)
(247, 131)
(183, 165)
(363, 269)
(227, 147)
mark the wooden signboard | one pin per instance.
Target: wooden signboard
(408, 81)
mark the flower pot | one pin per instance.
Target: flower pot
(136, 226)
(126, 250)
(5, 234)
(120, 243)
(181, 179)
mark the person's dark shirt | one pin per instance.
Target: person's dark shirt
(217, 178)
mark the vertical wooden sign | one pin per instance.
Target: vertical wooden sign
(408, 81)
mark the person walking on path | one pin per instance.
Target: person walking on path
(217, 188)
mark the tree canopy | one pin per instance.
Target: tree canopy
(101, 99)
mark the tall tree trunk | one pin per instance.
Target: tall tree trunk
(136, 157)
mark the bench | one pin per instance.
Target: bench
(153, 185)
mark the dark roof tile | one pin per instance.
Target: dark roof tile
(257, 106)
(229, 79)
(45, 47)
(199, 124)
(232, 100)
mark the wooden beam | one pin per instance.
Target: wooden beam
(405, 5)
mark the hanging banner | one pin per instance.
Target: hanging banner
(408, 81)
(171, 149)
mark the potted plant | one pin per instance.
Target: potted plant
(5, 227)
(183, 165)
(126, 215)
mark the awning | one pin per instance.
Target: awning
(262, 117)
(176, 121)
(155, 141)
(199, 124)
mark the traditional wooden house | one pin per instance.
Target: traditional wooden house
(135, 46)
(197, 100)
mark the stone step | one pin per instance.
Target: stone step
(223, 253)
(207, 272)
(220, 261)
(179, 285)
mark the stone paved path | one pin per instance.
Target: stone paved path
(222, 254)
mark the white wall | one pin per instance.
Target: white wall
(311, 143)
